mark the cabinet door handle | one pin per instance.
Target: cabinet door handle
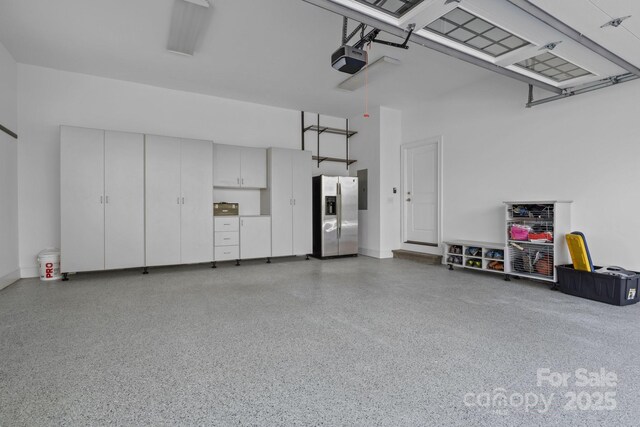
(106, 199)
(101, 198)
(294, 202)
(183, 200)
(242, 181)
(178, 200)
(238, 180)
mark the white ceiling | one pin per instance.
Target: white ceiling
(272, 52)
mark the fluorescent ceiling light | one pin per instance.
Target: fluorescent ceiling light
(358, 79)
(188, 21)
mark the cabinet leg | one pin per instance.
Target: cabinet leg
(237, 262)
(507, 278)
(145, 270)
(307, 258)
(268, 260)
(65, 277)
(450, 266)
(213, 265)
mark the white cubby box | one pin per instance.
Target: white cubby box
(483, 256)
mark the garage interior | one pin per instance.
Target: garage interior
(319, 212)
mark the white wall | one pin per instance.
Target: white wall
(390, 178)
(377, 148)
(584, 149)
(49, 98)
(365, 148)
(8, 171)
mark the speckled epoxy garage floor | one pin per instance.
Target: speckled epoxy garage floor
(352, 341)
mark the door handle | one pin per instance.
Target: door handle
(409, 199)
(339, 209)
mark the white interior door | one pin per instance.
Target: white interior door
(197, 202)
(226, 165)
(254, 168)
(82, 199)
(421, 192)
(281, 177)
(124, 200)
(162, 183)
(302, 200)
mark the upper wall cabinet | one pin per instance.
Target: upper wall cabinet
(239, 167)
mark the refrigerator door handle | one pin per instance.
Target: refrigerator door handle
(339, 209)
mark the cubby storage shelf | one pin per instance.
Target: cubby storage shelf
(484, 247)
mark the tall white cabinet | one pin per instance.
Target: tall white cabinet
(179, 200)
(101, 200)
(288, 200)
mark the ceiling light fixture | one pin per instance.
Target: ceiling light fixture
(359, 79)
(188, 21)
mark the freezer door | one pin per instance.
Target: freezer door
(329, 216)
(348, 215)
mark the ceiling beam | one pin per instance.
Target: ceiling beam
(584, 89)
(423, 41)
(560, 26)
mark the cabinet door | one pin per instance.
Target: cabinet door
(81, 199)
(281, 202)
(124, 200)
(302, 203)
(255, 237)
(226, 165)
(254, 168)
(162, 195)
(197, 202)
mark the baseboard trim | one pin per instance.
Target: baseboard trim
(29, 272)
(375, 253)
(9, 279)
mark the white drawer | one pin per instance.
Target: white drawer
(227, 253)
(227, 238)
(229, 223)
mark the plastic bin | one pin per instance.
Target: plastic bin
(599, 287)
(49, 261)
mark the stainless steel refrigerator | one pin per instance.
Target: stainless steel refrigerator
(335, 216)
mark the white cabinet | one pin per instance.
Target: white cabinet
(255, 237)
(196, 221)
(226, 165)
(288, 200)
(124, 200)
(179, 200)
(227, 238)
(102, 205)
(253, 167)
(239, 167)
